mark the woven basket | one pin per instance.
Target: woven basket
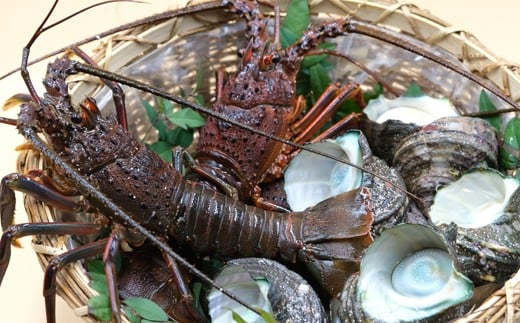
(207, 41)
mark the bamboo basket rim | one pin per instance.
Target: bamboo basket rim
(118, 50)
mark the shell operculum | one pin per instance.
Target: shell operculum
(483, 204)
(477, 198)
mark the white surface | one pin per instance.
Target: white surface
(21, 293)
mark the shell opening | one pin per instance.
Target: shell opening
(310, 178)
(408, 274)
(480, 197)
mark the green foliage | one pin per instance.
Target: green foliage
(510, 149)
(313, 76)
(512, 133)
(268, 317)
(295, 22)
(138, 310)
(413, 91)
(185, 120)
(486, 105)
(145, 309)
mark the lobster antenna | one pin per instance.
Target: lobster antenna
(147, 20)
(79, 67)
(353, 25)
(40, 30)
(388, 37)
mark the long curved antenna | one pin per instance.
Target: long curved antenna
(386, 36)
(150, 19)
(78, 67)
(41, 29)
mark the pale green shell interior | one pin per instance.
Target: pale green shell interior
(311, 178)
(397, 284)
(239, 282)
(476, 199)
(420, 110)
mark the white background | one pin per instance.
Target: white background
(494, 23)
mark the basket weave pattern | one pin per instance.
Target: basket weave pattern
(127, 47)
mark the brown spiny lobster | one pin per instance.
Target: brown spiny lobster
(114, 164)
(262, 93)
(106, 165)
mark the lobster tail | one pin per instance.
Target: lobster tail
(335, 233)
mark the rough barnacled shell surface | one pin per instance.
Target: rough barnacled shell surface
(484, 205)
(443, 150)
(407, 274)
(292, 298)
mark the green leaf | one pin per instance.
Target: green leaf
(512, 133)
(186, 118)
(237, 318)
(319, 80)
(98, 282)
(486, 105)
(155, 119)
(295, 22)
(413, 91)
(131, 315)
(96, 266)
(163, 149)
(167, 106)
(507, 159)
(180, 137)
(99, 307)
(268, 317)
(147, 309)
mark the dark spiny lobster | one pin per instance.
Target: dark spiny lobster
(117, 165)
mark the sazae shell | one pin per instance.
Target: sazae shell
(311, 178)
(292, 299)
(407, 274)
(484, 205)
(442, 151)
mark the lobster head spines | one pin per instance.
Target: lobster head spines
(253, 86)
(93, 148)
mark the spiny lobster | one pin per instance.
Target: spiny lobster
(115, 164)
(79, 136)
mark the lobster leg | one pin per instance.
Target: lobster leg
(324, 109)
(56, 263)
(186, 297)
(32, 185)
(26, 229)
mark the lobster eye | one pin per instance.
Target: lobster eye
(76, 118)
(275, 58)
